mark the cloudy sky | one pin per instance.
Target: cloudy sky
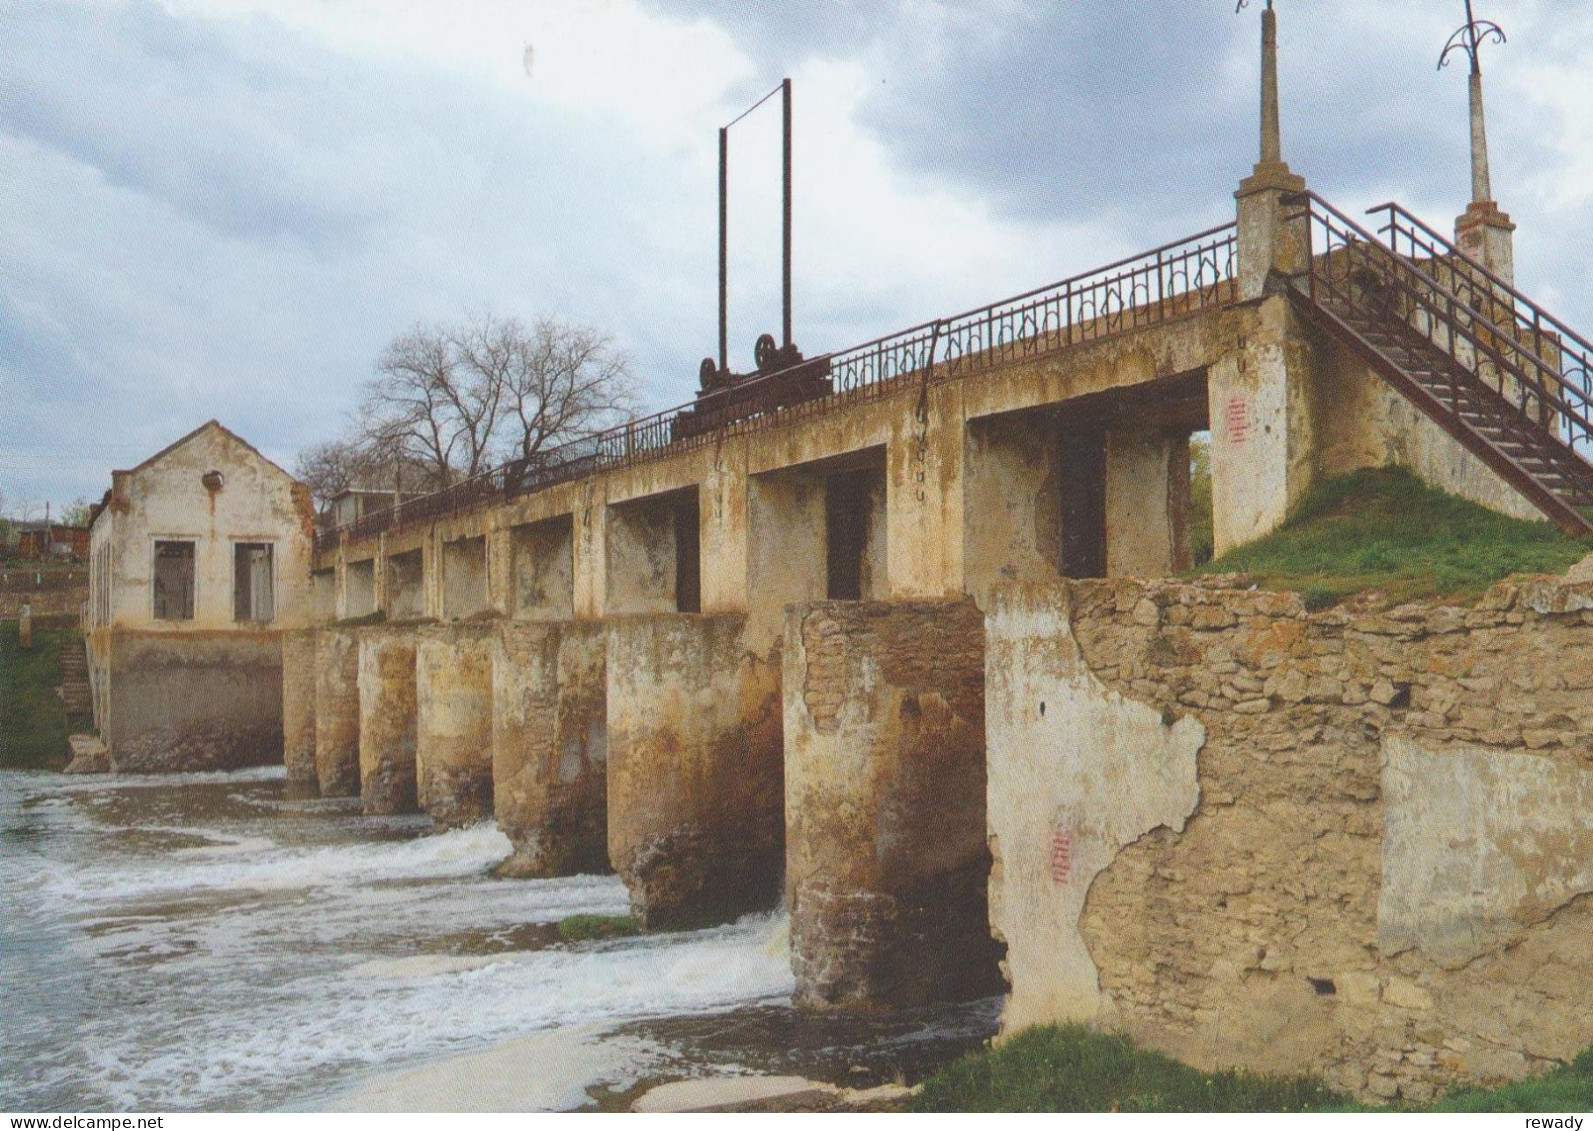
(227, 207)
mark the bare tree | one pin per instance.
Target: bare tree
(354, 461)
(558, 382)
(425, 405)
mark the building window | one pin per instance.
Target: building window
(174, 581)
(253, 593)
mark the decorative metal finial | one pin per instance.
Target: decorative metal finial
(1469, 38)
(1243, 4)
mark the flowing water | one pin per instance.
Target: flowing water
(201, 943)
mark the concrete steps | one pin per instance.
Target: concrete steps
(75, 691)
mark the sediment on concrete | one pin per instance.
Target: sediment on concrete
(1351, 843)
(337, 712)
(886, 860)
(453, 739)
(696, 827)
(549, 747)
(387, 720)
(298, 713)
(194, 701)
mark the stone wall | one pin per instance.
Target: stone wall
(337, 712)
(53, 602)
(550, 747)
(453, 740)
(1356, 844)
(696, 826)
(886, 861)
(200, 701)
(298, 712)
(387, 720)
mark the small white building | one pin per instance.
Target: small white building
(199, 559)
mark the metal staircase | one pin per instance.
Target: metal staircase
(1511, 383)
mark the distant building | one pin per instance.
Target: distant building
(198, 561)
(355, 502)
(38, 541)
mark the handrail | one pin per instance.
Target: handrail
(1167, 281)
(1498, 284)
(1548, 386)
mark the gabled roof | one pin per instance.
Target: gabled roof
(216, 424)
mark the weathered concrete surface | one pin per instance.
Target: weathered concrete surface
(543, 569)
(1478, 846)
(196, 701)
(453, 742)
(1076, 772)
(298, 712)
(337, 712)
(886, 861)
(387, 720)
(550, 747)
(464, 578)
(1385, 879)
(696, 827)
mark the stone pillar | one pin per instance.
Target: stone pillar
(695, 826)
(1147, 503)
(1268, 241)
(549, 748)
(337, 712)
(1262, 427)
(298, 712)
(453, 740)
(887, 865)
(1483, 231)
(387, 721)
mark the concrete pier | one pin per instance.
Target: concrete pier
(886, 865)
(298, 712)
(387, 720)
(549, 747)
(696, 827)
(453, 741)
(337, 712)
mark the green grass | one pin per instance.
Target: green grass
(1385, 529)
(1072, 1068)
(585, 928)
(33, 722)
(1568, 1089)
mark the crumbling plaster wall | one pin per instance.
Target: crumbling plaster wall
(886, 860)
(1379, 869)
(388, 717)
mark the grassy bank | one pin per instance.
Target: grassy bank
(33, 722)
(1071, 1068)
(1387, 530)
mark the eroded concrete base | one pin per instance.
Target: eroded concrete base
(550, 747)
(337, 712)
(387, 720)
(696, 825)
(298, 712)
(887, 863)
(453, 741)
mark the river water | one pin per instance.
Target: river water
(200, 942)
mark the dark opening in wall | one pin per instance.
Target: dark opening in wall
(688, 553)
(1083, 500)
(174, 581)
(846, 515)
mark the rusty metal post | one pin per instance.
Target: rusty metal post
(785, 213)
(724, 246)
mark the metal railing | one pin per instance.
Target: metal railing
(1546, 344)
(1495, 334)
(1175, 279)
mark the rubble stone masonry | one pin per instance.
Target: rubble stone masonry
(1359, 844)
